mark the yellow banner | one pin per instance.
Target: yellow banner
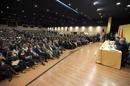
(109, 24)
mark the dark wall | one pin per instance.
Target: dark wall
(117, 22)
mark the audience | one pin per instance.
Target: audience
(24, 49)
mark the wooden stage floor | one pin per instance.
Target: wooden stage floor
(74, 68)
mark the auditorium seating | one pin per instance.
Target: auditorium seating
(24, 49)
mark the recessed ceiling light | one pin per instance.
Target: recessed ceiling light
(1, 12)
(99, 9)
(7, 7)
(76, 9)
(35, 5)
(69, 4)
(85, 15)
(47, 10)
(128, 6)
(34, 13)
(18, 0)
(82, 13)
(96, 2)
(56, 13)
(22, 11)
(118, 3)
(100, 13)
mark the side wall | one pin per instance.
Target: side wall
(125, 29)
(90, 30)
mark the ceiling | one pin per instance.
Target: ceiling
(63, 12)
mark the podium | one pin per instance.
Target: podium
(108, 55)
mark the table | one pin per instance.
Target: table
(108, 55)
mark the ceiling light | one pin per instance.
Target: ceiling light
(85, 15)
(18, 0)
(96, 2)
(100, 13)
(56, 13)
(35, 5)
(47, 10)
(76, 9)
(25, 16)
(1, 12)
(69, 4)
(82, 13)
(118, 3)
(65, 5)
(99, 9)
(7, 7)
(22, 11)
(34, 13)
(128, 5)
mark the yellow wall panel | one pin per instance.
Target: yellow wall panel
(109, 24)
(126, 31)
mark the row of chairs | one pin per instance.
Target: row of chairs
(35, 55)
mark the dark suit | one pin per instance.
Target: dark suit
(124, 49)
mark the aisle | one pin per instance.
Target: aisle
(80, 69)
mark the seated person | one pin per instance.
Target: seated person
(123, 46)
(35, 56)
(117, 41)
(49, 52)
(52, 50)
(6, 71)
(38, 50)
(56, 50)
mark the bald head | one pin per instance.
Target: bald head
(122, 41)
